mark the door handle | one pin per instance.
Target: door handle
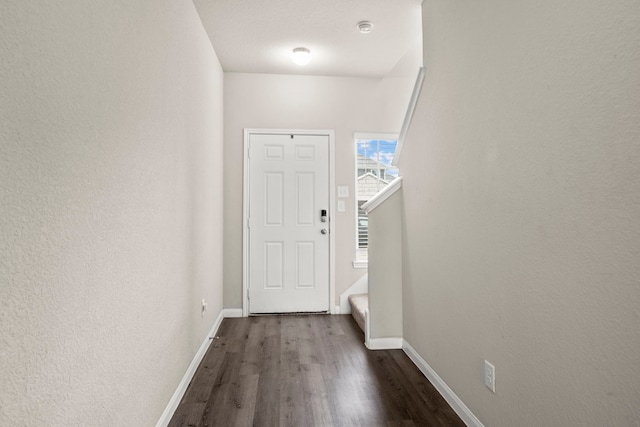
(324, 231)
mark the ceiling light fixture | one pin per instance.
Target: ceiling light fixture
(365, 27)
(301, 55)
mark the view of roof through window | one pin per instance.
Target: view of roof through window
(374, 173)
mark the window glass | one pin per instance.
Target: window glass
(374, 173)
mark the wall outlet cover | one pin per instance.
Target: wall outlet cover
(490, 376)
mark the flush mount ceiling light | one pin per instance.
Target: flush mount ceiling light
(301, 55)
(365, 27)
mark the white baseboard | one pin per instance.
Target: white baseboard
(232, 312)
(390, 343)
(367, 328)
(336, 310)
(454, 401)
(191, 370)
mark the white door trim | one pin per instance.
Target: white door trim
(245, 209)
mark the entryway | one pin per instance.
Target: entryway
(307, 371)
(288, 241)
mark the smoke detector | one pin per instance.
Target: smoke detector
(365, 27)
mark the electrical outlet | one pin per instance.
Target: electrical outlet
(490, 376)
(204, 306)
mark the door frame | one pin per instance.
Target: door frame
(245, 208)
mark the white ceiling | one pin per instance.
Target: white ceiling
(257, 36)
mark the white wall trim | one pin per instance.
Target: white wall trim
(389, 343)
(413, 102)
(191, 370)
(360, 264)
(383, 195)
(367, 328)
(232, 312)
(454, 401)
(245, 210)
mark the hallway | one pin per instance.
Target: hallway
(306, 371)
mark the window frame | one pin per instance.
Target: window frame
(361, 255)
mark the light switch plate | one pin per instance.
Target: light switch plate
(343, 191)
(341, 206)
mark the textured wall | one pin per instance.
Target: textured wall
(110, 212)
(522, 201)
(343, 104)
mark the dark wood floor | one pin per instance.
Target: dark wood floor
(306, 371)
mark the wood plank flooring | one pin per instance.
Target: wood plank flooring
(308, 370)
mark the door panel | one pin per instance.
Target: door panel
(273, 199)
(305, 196)
(274, 265)
(288, 253)
(305, 267)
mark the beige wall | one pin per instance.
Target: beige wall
(522, 201)
(346, 105)
(385, 268)
(110, 212)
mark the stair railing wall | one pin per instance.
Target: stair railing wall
(384, 328)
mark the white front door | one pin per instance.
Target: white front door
(288, 223)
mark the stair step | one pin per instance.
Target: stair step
(359, 303)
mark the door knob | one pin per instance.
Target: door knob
(324, 231)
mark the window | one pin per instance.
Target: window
(374, 173)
